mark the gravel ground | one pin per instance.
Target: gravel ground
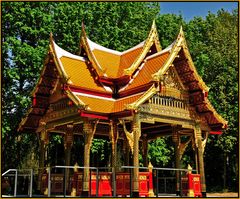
(227, 194)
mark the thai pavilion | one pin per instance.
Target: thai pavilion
(132, 97)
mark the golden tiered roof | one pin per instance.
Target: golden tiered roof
(106, 81)
(114, 62)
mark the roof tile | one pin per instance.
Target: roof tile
(151, 66)
(107, 106)
(79, 74)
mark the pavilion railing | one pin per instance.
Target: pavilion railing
(169, 101)
(163, 105)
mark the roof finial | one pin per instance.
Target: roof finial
(154, 24)
(51, 38)
(82, 24)
(83, 29)
(181, 33)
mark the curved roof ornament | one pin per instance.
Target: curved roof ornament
(180, 44)
(85, 44)
(55, 57)
(152, 38)
(157, 42)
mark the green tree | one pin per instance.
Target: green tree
(161, 152)
(24, 40)
(26, 27)
(213, 44)
(222, 76)
(117, 25)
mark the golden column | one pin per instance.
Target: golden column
(43, 142)
(68, 142)
(136, 135)
(176, 140)
(145, 150)
(114, 139)
(199, 147)
(88, 132)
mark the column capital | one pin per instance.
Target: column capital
(44, 136)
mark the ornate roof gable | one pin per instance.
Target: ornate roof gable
(84, 80)
(118, 64)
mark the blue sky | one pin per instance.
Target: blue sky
(191, 9)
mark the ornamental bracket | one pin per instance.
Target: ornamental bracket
(128, 134)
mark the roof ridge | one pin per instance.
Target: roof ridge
(141, 44)
(103, 48)
(65, 53)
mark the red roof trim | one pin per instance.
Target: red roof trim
(87, 91)
(93, 115)
(215, 132)
(121, 81)
(125, 113)
(107, 116)
(135, 90)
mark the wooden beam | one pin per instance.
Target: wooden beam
(155, 126)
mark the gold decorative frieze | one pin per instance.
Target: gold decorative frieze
(142, 177)
(59, 114)
(119, 177)
(60, 104)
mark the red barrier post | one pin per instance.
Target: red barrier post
(150, 191)
(190, 184)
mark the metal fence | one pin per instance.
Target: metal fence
(164, 180)
(19, 175)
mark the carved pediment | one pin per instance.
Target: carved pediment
(172, 85)
(171, 79)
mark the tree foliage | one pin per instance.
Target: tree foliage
(213, 43)
(25, 39)
(160, 152)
